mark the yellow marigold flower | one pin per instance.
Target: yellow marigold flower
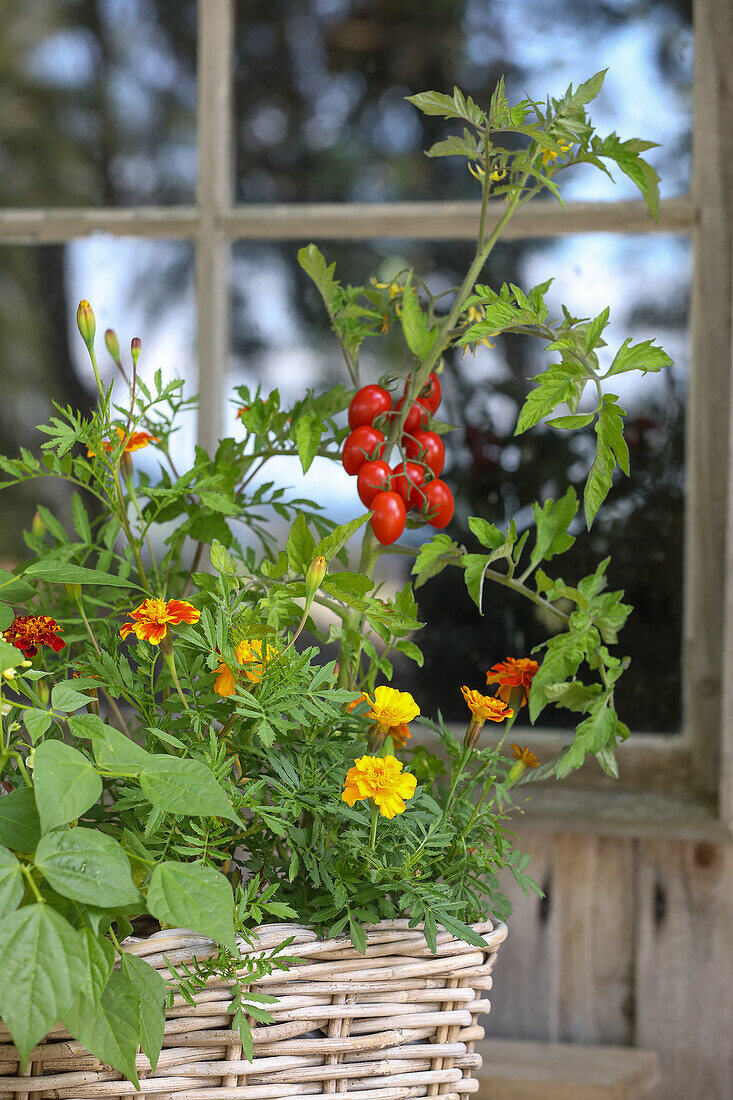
(549, 155)
(486, 707)
(135, 441)
(249, 654)
(153, 617)
(392, 708)
(526, 755)
(380, 778)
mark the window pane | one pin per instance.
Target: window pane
(139, 288)
(98, 102)
(281, 340)
(320, 88)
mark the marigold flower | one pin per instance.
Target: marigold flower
(391, 708)
(526, 755)
(381, 779)
(249, 654)
(514, 672)
(28, 632)
(487, 708)
(153, 617)
(135, 441)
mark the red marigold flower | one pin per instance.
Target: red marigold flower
(135, 441)
(152, 618)
(514, 672)
(28, 632)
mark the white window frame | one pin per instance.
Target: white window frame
(679, 786)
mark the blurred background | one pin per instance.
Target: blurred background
(97, 109)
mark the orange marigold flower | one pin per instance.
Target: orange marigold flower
(135, 441)
(526, 755)
(380, 778)
(153, 617)
(250, 655)
(400, 734)
(28, 632)
(514, 672)
(486, 707)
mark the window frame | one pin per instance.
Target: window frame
(678, 786)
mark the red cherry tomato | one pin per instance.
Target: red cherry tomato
(388, 519)
(417, 418)
(426, 447)
(368, 403)
(408, 481)
(364, 443)
(439, 504)
(373, 478)
(431, 394)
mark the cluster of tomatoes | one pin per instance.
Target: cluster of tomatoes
(415, 483)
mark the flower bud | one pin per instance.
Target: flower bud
(377, 735)
(38, 527)
(314, 577)
(8, 673)
(516, 771)
(86, 324)
(43, 691)
(472, 733)
(73, 591)
(135, 348)
(113, 344)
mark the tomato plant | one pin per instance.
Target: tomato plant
(439, 503)
(363, 444)
(426, 447)
(408, 481)
(388, 518)
(373, 478)
(431, 394)
(367, 404)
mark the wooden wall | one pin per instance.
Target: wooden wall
(632, 945)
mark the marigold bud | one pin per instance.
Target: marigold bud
(85, 321)
(135, 348)
(38, 527)
(113, 344)
(43, 691)
(73, 591)
(473, 732)
(314, 576)
(516, 771)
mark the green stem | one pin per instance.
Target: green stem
(112, 702)
(373, 832)
(465, 753)
(128, 531)
(133, 496)
(28, 875)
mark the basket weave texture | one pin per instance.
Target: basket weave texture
(396, 1023)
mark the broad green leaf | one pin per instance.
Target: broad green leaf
(67, 699)
(81, 519)
(150, 990)
(453, 146)
(100, 956)
(562, 658)
(10, 656)
(579, 420)
(474, 570)
(433, 103)
(109, 1028)
(329, 546)
(573, 695)
(429, 558)
(119, 754)
(595, 328)
(13, 588)
(487, 533)
(300, 545)
(412, 651)
(346, 583)
(63, 572)
(645, 357)
(7, 615)
(556, 386)
(42, 962)
(20, 827)
(419, 337)
(221, 559)
(12, 883)
(191, 895)
(307, 431)
(187, 787)
(552, 520)
(66, 783)
(88, 866)
(313, 263)
(36, 722)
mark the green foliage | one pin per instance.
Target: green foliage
(199, 781)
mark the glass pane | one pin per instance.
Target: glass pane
(281, 339)
(98, 102)
(139, 288)
(320, 88)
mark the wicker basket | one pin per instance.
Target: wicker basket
(397, 1023)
